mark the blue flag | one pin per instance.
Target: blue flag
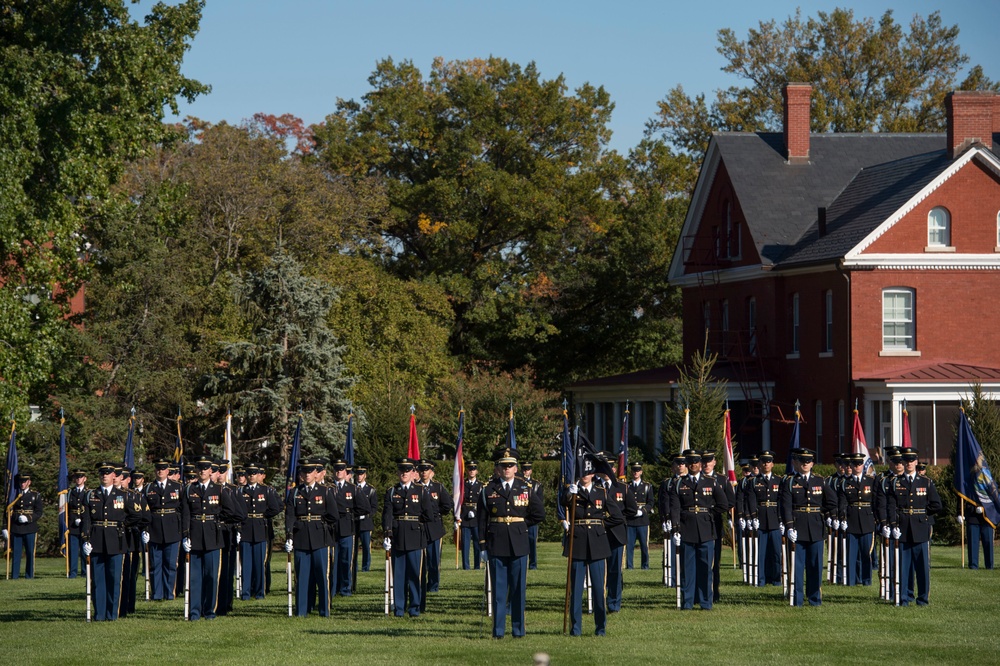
(11, 471)
(511, 438)
(792, 445)
(973, 480)
(128, 460)
(293, 460)
(62, 491)
(623, 448)
(568, 463)
(349, 446)
(588, 461)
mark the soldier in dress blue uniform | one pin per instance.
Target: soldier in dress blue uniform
(857, 519)
(263, 504)
(616, 528)
(109, 513)
(309, 514)
(506, 509)
(207, 507)
(536, 489)
(134, 543)
(443, 506)
(741, 514)
(762, 503)
(364, 523)
(408, 507)
(667, 486)
(912, 501)
(590, 545)
(806, 500)
(834, 483)
(166, 510)
(977, 530)
(232, 528)
(883, 483)
(76, 506)
(24, 513)
(722, 519)
(470, 525)
(350, 504)
(637, 526)
(695, 502)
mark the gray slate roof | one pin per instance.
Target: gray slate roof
(780, 201)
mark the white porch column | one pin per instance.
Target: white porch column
(897, 422)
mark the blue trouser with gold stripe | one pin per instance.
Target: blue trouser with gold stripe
(980, 533)
(638, 533)
(311, 578)
(470, 537)
(696, 574)
(406, 581)
(914, 563)
(510, 576)
(578, 574)
(614, 579)
(809, 568)
(106, 571)
(340, 578)
(204, 584)
(27, 543)
(252, 559)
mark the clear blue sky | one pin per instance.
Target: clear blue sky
(299, 56)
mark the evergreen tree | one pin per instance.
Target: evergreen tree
(291, 360)
(705, 396)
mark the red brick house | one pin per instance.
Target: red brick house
(831, 269)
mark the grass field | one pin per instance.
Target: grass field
(42, 621)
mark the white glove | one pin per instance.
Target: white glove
(670, 525)
(793, 536)
(781, 526)
(239, 537)
(483, 555)
(835, 524)
(4, 534)
(22, 519)
(87, 548)
(362, 517)
(666, 526)
(472, 514)
(756, 523)
(829, 522)
(638, 513)
(573, 489)
(843, 526)
(565, 525)
(677, 539)
(76, 522)
(896, 533)
(743, 523)
(289, 546)
(457, 525)
(387, 544)
(145, 537)
(960, 519)
(729, 522)
(187, 545)
(886, 532)
(979, 509)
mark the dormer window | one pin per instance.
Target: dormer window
(938, 228)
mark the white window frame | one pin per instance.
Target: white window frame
(938, 228)
(909, 323)
(997, 248)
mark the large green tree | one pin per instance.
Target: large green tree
(83, 89)
(867, 75)
(491, 174)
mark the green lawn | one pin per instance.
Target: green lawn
(42, 621)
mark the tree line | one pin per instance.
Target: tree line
(461, 237)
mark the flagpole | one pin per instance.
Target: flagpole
(10, 485)
(961, 508)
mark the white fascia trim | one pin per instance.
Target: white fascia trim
(941, 262)
(698, 200)
(987, 158)
(948, 392)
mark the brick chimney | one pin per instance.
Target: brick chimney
(797, 121)
(970, 119)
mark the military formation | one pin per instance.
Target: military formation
(209, 539)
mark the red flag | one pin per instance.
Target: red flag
(413, 449)
(860, 445)
(907, 442)
(730, 465)
(458, 475)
